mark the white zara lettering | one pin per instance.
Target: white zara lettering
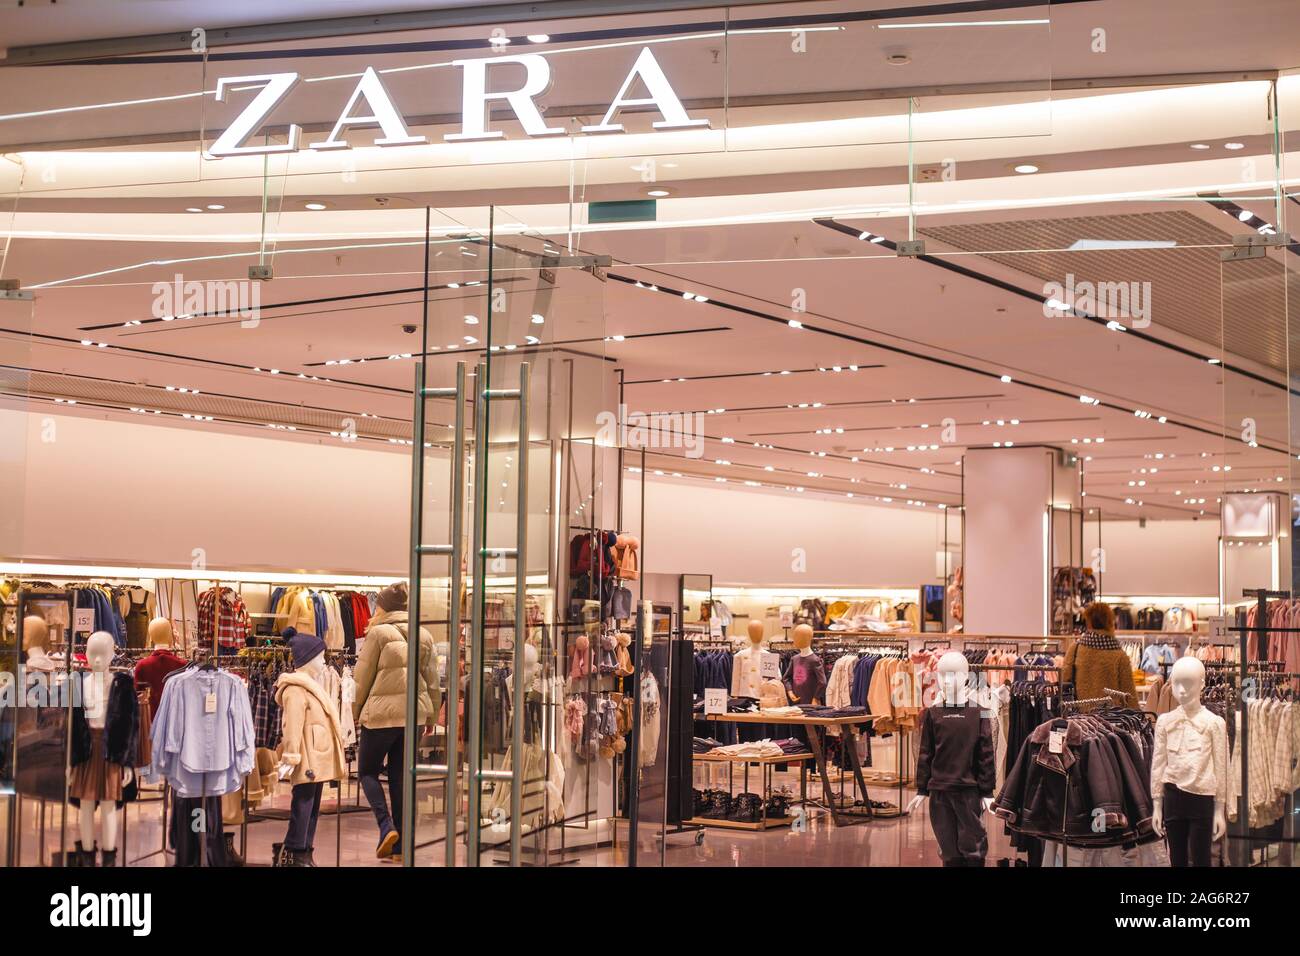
(662, 97)
(382, 112)
(273, 88)
(475, 98)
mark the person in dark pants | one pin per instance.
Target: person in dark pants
(379, 746)
(380, 708)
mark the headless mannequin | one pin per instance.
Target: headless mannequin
(954, 691)
(99, 653)
(36, 642)
(1187, 678)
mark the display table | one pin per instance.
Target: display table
(765, 765)
(816, 728)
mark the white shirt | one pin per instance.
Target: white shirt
(1191, 753)
(747, 672)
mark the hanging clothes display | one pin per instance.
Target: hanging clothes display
(226, 621)
(1083, 780)
(202, 734)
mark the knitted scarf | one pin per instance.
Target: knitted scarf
(1099, 640)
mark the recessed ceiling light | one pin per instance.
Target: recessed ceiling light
(1200, 146)
(215, 205)
(471, 320)
(658, 193)
(1245, 215)
(539, 38)
(314, 206)
(1026, 168)
(1234, 145)
(538, 318)
(193, 209)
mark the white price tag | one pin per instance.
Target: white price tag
(83, 620)
(770, 667)
(715, 627)
(1219, 627)
(210, 704)
(1056, 741)
(715, 700)
(787, 616)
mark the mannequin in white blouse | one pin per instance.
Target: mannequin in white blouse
(747, 666)
(1190, 749)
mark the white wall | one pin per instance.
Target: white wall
(1164, 558)
(122, 492)
(750, 536)
(1006, 577)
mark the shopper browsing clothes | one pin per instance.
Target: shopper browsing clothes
(1096, 664)
(380, 709)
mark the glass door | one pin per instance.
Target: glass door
(526, 350)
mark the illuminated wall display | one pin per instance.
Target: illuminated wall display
(273, 88)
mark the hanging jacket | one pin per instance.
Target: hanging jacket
(312, 737)
(121, 725)
(381, 674)
(1094, 792)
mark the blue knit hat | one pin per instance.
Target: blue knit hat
(303, 647)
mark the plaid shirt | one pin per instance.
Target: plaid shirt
(266, 712)
(235, 627)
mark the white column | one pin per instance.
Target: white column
(1008, 496)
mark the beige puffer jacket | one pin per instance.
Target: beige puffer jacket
(381, 674)
(311, 739)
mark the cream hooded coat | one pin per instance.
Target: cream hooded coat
(311, 739)
(380, 674)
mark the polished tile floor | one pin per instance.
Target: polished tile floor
(348, 839)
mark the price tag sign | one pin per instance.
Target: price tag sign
(715, 700)
(83, 620)
(1219, 628)
(787, 616)
(770, 667)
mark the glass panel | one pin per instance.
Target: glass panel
(541, 315)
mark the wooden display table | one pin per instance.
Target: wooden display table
(765, 764)
(816, 728)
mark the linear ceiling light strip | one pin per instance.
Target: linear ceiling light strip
(1042, 299)
(947, 363)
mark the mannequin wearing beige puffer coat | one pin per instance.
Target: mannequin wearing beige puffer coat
(381, 674)
(311, 740)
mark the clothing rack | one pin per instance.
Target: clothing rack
(1085, 704)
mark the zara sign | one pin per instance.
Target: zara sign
(475, 101)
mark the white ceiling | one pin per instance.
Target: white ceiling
(93, 231)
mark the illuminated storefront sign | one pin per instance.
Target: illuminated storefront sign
(272, 88)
